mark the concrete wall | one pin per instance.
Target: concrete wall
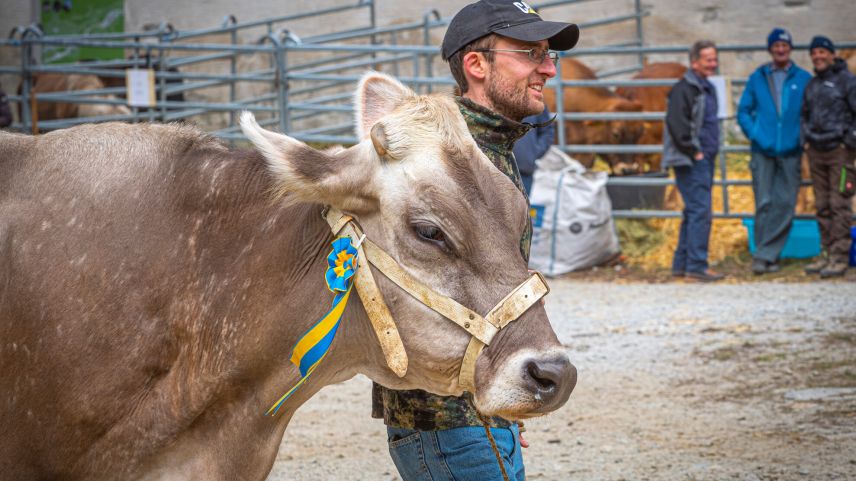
(671, 22)
(12, 14)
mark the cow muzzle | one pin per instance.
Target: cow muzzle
(551, 380)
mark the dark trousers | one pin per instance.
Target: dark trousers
(527, 183)
(834, 210)
(775, 183)
(694, 183)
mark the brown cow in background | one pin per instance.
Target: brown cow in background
(652, 99)
(593, 132)
(57, 82)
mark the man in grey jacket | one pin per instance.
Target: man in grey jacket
(690, 145)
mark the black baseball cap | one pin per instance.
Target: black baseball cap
(510, 19)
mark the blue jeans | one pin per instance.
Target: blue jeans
(458, 454)
(775, 183)
(694, 183)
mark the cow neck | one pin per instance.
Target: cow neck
(495, 136)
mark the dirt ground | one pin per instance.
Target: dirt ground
(744, 380)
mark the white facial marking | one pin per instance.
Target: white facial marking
(508, 392)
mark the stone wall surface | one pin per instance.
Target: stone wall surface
(669, 23)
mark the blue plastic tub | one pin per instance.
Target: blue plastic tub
(803, 241)
(853, 246)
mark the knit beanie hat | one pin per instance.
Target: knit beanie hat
(779, 35)
(820, 41)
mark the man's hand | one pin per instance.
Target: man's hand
(699, 156)
(523, 442)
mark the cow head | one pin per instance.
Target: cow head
(624, 132)
(424, 192)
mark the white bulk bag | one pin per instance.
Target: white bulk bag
(572, 226)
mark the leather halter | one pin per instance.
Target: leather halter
(482, 329)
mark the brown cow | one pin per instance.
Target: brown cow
(652, 99)
(151, 286)
(594, 132)
(56, 82)
(849, 55)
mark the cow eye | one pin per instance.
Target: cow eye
(430, 233)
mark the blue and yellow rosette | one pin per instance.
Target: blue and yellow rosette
(310, 350)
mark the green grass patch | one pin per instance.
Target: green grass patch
(724, 354)
(827, 365)
(776, 356)
(845, 337)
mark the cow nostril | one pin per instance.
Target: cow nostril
(550, 380)
(544, 378)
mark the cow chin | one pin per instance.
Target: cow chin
(529, 384)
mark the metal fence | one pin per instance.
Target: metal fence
(302, 84)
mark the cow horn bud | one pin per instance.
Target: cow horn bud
(378, 136)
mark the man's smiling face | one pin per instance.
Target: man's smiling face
(514, 83)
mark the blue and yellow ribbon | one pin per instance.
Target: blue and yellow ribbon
(311, 348)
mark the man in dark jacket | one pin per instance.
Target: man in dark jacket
(533, 146)
(690, 144)
(769, 115)
(5, 112)
(829, 129)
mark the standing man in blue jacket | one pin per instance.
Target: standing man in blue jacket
(769, 115)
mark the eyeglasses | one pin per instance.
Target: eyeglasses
(536, 55)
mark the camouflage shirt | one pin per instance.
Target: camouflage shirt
(417, 409)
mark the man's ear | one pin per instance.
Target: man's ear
(475, 66)
(377, 96)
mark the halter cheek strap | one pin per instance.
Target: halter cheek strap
(483, 329)
(379, 315)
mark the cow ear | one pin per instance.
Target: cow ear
(342, 178)
(377, 95)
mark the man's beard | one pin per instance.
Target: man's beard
(507, 99)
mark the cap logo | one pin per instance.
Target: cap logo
(525, 8)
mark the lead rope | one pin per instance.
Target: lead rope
(486, 425)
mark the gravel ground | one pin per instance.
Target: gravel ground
(677, 381)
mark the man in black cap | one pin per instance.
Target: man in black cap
(829, 130)
(501, 54)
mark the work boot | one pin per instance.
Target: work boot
(773, 267)
(817, 264)
(759, 266)
(705, 276)
(834, 269)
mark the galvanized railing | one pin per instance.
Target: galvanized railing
(302, 84)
